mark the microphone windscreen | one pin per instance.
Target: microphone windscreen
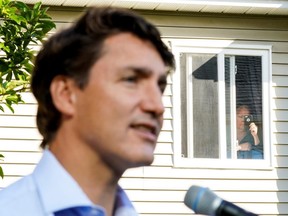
(202, 200)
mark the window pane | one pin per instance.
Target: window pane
(199, 105)
(204, 82)
(184, 102)
(249, 107)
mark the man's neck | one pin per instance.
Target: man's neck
(94, 177)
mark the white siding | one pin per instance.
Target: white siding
(159, 189)
(19, 140)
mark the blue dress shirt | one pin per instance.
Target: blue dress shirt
(50, 188)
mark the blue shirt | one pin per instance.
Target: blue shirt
(51, 188)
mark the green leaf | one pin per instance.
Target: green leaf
(37, 6)
(18, 19)
(9, 76)
(12, 98)
(1, 172)
(9, 107)
(21, 6)
(20, 27)
(3, 65)
(1, 158)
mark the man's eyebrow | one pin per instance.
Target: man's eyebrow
(143, 71)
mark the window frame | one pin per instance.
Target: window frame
(222, 48)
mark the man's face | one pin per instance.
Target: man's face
(120, 111)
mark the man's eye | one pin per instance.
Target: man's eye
(131, 79)
(162, 85)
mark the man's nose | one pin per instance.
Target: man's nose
(152, 101)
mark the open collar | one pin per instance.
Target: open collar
(58, 190)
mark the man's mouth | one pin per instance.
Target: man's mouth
(147, 130)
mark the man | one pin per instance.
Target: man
(98, 85)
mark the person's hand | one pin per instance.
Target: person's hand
(253, 129)
(244, 147)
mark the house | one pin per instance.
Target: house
(227, 53)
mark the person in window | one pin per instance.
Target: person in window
(99, 86)
(249, 144)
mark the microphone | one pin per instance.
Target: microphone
(204, 201)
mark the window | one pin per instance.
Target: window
(221, 104)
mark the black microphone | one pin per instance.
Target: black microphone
(204, 201)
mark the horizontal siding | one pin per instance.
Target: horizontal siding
(16, 121)
(170, 173)
(22, 157)
(27, 133)
(282, 150)
(14, 145)
(280, 92)
(280, 81)
(279, 69)
(280, 138)
(262, 35)
(280, 58)
(217, 185)
(210, 21)
(280, 104)
(280, 115)
(282, 127)
(22, 109)
(15, 171)
(19, 140)
(178, 208)
(174, 196)
(164, 148)
(160, 188)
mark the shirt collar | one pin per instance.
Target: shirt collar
(58, 190)
(123, 205)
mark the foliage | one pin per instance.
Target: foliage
(1, 170)
(21, 28)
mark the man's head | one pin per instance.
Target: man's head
(242, 111)
(73, 52)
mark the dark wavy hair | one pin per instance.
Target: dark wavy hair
(73, 51)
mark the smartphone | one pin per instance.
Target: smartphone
(248, 119)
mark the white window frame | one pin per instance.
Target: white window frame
(221, 48)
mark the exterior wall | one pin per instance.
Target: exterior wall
(160, 188)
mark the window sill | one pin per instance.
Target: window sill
(250, 164)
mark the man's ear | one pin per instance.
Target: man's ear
(63, 94)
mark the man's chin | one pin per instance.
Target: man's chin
(143, 162)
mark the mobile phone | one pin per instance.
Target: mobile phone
(248, 119)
